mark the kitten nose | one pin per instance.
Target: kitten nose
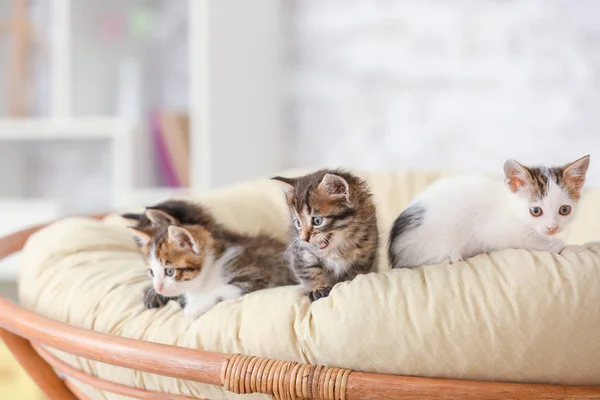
(305, 236)
(552, 228)
(159, 287)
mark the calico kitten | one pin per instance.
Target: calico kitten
(190, 263)
(334, 234)
(169, 212)
(459, 217)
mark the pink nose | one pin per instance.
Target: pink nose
(552, 228)
(159, 288)
(305, 236)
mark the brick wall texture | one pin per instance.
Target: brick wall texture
(429, 84)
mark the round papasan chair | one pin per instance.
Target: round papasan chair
(510, 324)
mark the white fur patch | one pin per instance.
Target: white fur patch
(210, 286)
(155, 265)
(468, 215)
(337, 265)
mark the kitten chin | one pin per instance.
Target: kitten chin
(459, 217)
(200, 265)
(334, 233)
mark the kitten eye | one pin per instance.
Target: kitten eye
(565, 210)
(297, 223)
(150, 273)
(536, 211)
(169, 271)
(317, 221)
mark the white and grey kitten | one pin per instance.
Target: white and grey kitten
(459, 217)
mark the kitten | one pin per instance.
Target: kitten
(169, 212)
(189, 262)
(459, 217)
(334, 233)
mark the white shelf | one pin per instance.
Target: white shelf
(63, 128)
(118, 130)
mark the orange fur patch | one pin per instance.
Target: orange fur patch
(515, 184)
(573, 186)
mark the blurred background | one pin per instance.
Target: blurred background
(108, 104)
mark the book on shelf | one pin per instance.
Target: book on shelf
(170, 131)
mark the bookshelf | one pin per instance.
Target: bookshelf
(229, 81)
(52, 130)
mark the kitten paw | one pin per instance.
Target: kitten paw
(454, 258)
(556, 246)
(193, 313)
(182, 302)
(195, 310)
(319, 293)
(153, 299)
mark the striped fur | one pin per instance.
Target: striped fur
(334, 229)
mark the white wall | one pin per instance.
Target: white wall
(433, 84)
(236, 90)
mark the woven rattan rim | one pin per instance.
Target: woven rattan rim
(20, 327)
(73, 373)
(285, 380)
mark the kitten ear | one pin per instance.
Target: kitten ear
(287, 184)
(132, 217)
(183, 238)
(574, 174)
(142, 238)
(335, 185)
(516, 175)
(158, 217)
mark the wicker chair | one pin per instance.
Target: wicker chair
(26, 332)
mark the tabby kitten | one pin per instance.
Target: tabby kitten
(191, 263)
(334, 234)
(459, 217)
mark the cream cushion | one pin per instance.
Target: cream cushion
(512, 315)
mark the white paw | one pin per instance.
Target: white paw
(194, 313)
(556, 246)
(453, 258)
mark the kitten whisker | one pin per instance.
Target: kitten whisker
(292, 246)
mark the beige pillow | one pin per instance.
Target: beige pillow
(512, 315)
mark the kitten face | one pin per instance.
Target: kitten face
(175, 257)
(321, 206)
(548, 196)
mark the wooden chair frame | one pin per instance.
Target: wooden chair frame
(27, 333)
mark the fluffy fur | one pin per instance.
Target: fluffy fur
(199, 268)
(169, 212)
(334, 229)
(459, 217)
(173, 212)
